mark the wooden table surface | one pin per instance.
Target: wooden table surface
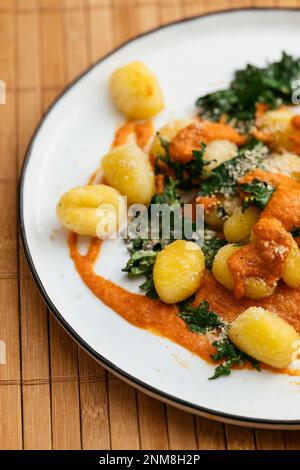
(52, 395)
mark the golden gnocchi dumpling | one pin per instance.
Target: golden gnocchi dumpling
(136, 91)
(214, 218)
(95, 210)
(239, 225)
(167, 132)
(178, 271)
(264, 336)
(291, 272)
(256, 288)
(219, 151)
(278, 125)
(127, 169)
(220, 268)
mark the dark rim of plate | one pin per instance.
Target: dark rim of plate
(154, 392)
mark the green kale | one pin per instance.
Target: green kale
(188, 175)
(231, 356)
(170, 195)
(211, 245)
(148, 287)
(260, 191)
(271, 85)
(141, 262)
(224, 178)
(200, 319)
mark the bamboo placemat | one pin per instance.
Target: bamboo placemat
(52, 394)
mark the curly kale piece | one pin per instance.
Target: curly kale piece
(260, 193)
(271, 85)
(231, 356)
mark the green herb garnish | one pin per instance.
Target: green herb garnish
(260, 191)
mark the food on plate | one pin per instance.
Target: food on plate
(127, 169)
(264, 336)
(94, 210)
(220, 268)
(216, 238)
(291, 269)
(239, 225)
(178, 271)
(136, 91)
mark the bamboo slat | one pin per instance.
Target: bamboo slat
(52, 394)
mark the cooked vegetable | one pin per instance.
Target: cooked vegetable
(188, 175)
(271, 85)
(211, 245)
(91, 210)
(239, 225)
(291, 273)
(178, 271)
(224, 178)
(260, 192)
(127, 169)
(220, 268)
(200, 319)
(264, 336)
(231, 356)
(136, 91)
(219, 151)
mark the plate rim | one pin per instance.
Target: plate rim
(120, 373)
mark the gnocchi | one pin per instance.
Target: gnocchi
(220, 268)
(178, 271)
(264, 336)
(214, 218)
(256, 288)
(278, 126)
(239, 225)
(136, 91)
(291, 272)
(95, 210)
(127, 169)
(217, 152)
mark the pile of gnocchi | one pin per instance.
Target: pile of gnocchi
(241, 179)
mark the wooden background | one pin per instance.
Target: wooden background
(52, 395)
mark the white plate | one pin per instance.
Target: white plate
(189, 58)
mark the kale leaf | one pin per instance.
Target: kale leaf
(231, 356)
(224, 178)
(271, 85)
(188, 175)
(200, 319)
(260, 191)
(211, 245)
